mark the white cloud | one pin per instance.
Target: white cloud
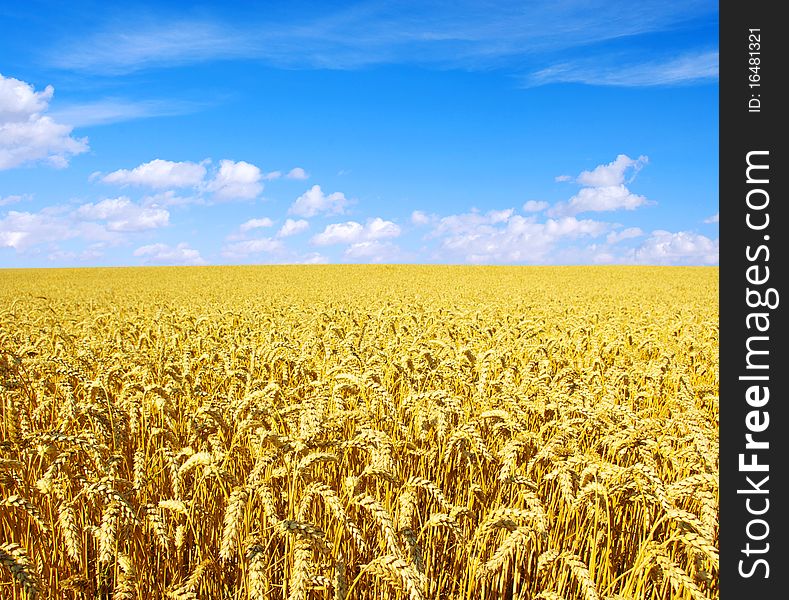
(500, 216)
(691, 67)
(231, 181)
(18, 100)
(471, 36)
(236, 180)
(121, 214)
(22, 230)
(138, 45)
(26, 135)
(297, 173)
(182, 254)
(377, 229)
(314, 201)
(679, 248)
(352, 232)
(713, 219)
(473, 222)
(605, 189)
(595, 199)
(159, 174)
(256, 223)
(372, 251)
(313, 258)
(109, 222)
(613, 173)
(13, 199)
(118, 110)
(291, 227)
(91, 253)
(535, 206)
(339, 233)
(244, 248)
(489, 238)
(419, 218)
(170, 198)
(626, 234)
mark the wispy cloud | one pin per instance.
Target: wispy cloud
(118, 110)
(472, 35)
(125, 49)
(611, 71)
(297, 173)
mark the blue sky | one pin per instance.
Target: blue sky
(485, 132)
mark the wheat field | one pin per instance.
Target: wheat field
(371, 432)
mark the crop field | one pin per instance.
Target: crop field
(370, 432)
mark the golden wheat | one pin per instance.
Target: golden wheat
(307, 433)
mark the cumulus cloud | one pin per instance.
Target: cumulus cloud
(297, 173)
(292, 227)
(504, 237)
(236, 180)
(419, 218)
(713, 219)
(21, 230)
(352, 232)
(312, 258)
(677, 248)
(13, 199)
(595, 199)
(561, 178)
(617, 236)
(26, 135)
(92, 252)
(500, 216)
(339, 233)
(535, 206)
(613, 173)
(181, 254)
(605, 189)
(471, 222)
(108, 222)
(230, 180)
(372, 251)
(256, 223)
(159, 174)
(245, 248)
(170, 198)
(121, 214)
(314, 202)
